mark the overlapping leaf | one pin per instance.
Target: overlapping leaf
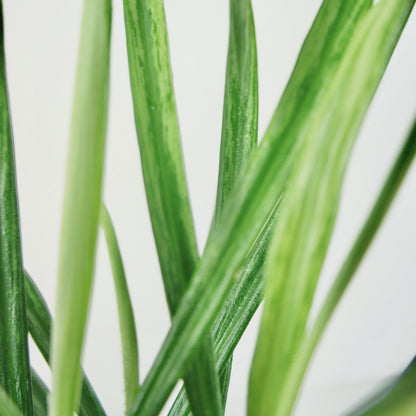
(306, 222)
(164, 179)
(263, 182)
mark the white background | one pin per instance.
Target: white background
(372, 335)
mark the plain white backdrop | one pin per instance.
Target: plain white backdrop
(372, 335)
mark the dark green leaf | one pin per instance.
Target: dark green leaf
(14, 357)
(40, 395)
(239, 133)
(164, 179)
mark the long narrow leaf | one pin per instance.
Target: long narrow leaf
(7, 406)
(125, 309)
(240, 307)
(164, 179)
(40, 395)
(240, 113)
(239, 136)
(399, 398)
(40, 323)
(14, 356)
(81, 206)
(302, 235)
(256, 193)
(353, 260)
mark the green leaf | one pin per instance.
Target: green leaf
(7, 406)
(239, 308)
(39, 323)
(240, 113)
(239, 130)
(308, 214)
(125, 309)
(81, 206)
(255, 194)
(353, 260)
(40, 395)
(14, 356)
(164, 179)
(398, 398)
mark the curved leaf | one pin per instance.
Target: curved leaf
(256, 193)
(125, 309)
(308, 215)
(398, 399)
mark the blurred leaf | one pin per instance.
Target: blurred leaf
(14, 356)
(7, 406)
(39, 323)
(308, 214)
(164, 179)
(398, 399)
(81, 206)
(256, 193)
(351, 263)
(125, 309)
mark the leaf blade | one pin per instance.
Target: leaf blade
(7, 406)
(81, 206)
(14, 355)
(125, 309)
(302, 236)
(239, 133)
(164, 179)
(260, 187)
(397, 399)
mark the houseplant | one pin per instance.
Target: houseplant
(154, 107)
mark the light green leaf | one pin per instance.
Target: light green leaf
(125, 309)
(164, 179)
(353, 260)
(7, 406)
(308, 214)
(255, 194)
(81, 206)
(14, 356)
(398, 399)
(40, 323)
